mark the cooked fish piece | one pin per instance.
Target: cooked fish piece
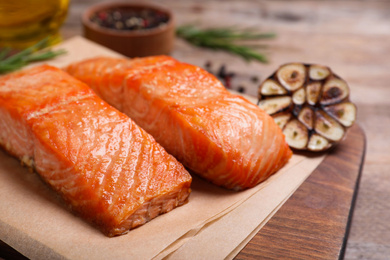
(105, 167)
(220, 136)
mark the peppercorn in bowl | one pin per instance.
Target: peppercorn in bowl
(132, 29)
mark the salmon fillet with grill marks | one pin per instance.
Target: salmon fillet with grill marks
(220, 136)
(106, 168)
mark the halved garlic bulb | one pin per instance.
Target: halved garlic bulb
(309, 103)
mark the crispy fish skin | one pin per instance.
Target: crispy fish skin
(220, 136)
(106, 168)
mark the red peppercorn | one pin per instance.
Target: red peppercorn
(227, 81)
(102, 16)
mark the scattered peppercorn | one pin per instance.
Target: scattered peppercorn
(241, 89)
(255, 79)
(228, 83)
(222, 72)
(129, 19)
(231, 80)
(208, 64)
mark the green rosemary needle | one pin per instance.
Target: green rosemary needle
(26, 56)
(228, 39)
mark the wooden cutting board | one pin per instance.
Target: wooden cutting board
(314, 222)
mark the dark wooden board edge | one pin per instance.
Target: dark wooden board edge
(314, 223)
(7, 252)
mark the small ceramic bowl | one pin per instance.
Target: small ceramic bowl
(132, 43)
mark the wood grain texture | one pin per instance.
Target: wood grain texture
(314, 222)
(350, 36)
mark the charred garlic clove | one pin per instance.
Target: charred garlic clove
(271, 87)
(309, 103)
(276, 104)
(306, 117)
(313, 91)
(318, 72)
(345, 113)
(299, 96)
(291, 76)
(328, 127)
(334, 91)
(296, 134)
(281, 119)
(318, 143)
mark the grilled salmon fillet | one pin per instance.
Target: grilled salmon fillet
(220, 136)
(106, 168)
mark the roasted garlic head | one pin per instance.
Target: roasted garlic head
(309, 103)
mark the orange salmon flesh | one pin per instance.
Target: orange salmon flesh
(220, 136)
(105, 167)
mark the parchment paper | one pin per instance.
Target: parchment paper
(233, 231)
(37, 224)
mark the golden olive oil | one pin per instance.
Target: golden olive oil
(25, 22)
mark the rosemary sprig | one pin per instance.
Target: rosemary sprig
(227, 39)
(4, 52)
(26, 56)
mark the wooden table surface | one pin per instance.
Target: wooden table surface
(351, 37)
